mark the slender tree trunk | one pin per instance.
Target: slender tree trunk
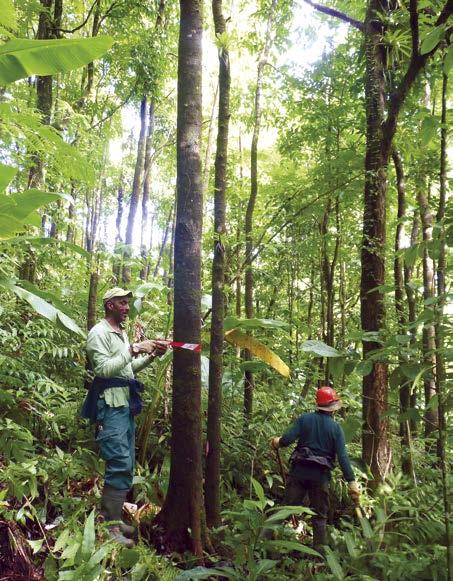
(210, 144)
(170, 220)
(429, 335)
(212, 476)
(135, 195)
(248, 289)
(146, 188)
(440, 363)
(412, 309)
(92, 299)
(43, 94)
(182, 515)
(398, 273)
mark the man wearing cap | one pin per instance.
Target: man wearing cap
(113, 400)
(320, 439)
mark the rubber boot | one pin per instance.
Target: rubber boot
(319, 533)
(111, 506)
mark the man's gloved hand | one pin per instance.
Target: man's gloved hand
(354, 492)
(275, 443)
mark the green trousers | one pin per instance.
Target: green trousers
(116, 440)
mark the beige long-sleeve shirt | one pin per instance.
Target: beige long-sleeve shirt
(108, 352)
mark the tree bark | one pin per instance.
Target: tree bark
(182, 513)
(212, 476)
(375, 444)
(248, 286)
(135, 195)
(401, 318)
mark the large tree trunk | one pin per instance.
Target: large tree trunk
(135, 195)
(248, 287)
(212, 477)
(376, 447)
(182, 513)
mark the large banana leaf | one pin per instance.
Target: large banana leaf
(20, 58)
(258, 349)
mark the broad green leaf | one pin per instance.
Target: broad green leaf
(259, 491)
(9, 226)
(431, 40)
(128, 558)
(257, 348)
(235, 323)
(21, 58)
(264, 565)
(37, 242)
(364, 367)
(411, 370)
(366, 528)
(351, 426)
(334, 565)
(205, 573)
(89, 536)
(350, 544)
(62, 540)
(36, 545)
(26, 202)
(70, 551)
(428, 130)
(336, 366)
(448, 61)
(47, 310)
(320, 348)
(7, 174)
(286, 546)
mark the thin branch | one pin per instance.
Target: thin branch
(80, 25)
(341, 15)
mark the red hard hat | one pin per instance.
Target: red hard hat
(326, 395)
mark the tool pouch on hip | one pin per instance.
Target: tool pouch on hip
(304, 456)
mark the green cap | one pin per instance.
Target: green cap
(116, 292)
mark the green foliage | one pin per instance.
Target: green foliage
(20, 58)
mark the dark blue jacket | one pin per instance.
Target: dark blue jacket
(89, 408)
(319, 432)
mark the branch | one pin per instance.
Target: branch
(341, 15)
(80, 25)
(417, 63)
(414, 26)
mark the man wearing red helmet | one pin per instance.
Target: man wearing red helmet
(320, 441)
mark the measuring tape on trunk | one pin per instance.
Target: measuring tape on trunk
(196, 347)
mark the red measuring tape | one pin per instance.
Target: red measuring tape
(190, 346)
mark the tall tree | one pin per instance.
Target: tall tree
(182, 513)
(248, 283)
(136, 188)
(383, 103)
(212, 477)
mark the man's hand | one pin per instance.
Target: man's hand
(275, 443)
(161, 346)
(354, 492)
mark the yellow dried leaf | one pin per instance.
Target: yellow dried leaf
(258, 349)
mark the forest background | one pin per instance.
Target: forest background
(316, 220)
